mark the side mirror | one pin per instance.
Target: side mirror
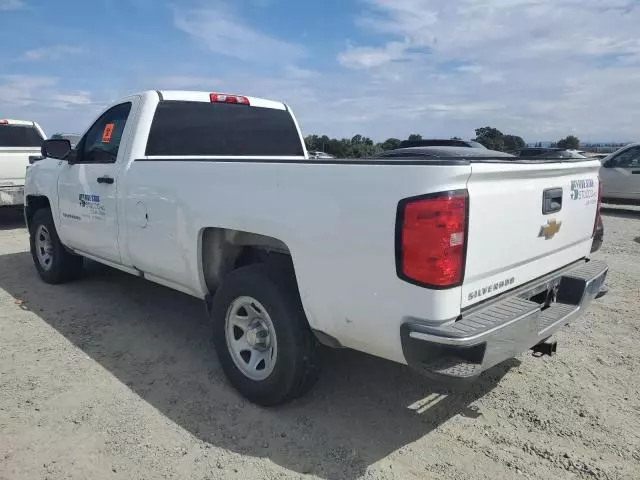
(58, 148)
(608, 163)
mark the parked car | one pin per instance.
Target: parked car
(19, 140)
(441, 143)
(584, 153)
(425, 152)
(449, 265)
(318, 154)
(620, 175)
(539, 152)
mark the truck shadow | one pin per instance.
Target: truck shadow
(156, 341)
(11, 218)
(621, 211)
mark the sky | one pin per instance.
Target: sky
(541, 69)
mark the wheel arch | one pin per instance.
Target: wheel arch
(32, 204)
(223, 250)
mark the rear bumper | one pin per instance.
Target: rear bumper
(501, 330)
(11, 195)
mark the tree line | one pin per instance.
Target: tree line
(354, 147)
(359, 146)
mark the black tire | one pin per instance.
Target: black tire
(296, 366)
(64, 266)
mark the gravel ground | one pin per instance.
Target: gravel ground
(114, 377)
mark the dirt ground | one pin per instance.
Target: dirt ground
(113, 377)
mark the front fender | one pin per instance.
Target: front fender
(41, 182)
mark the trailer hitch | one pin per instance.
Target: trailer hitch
(545, 348)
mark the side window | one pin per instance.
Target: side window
(627, 159)
(102, 142)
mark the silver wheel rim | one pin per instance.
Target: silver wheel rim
(44, 247)
(251, 338)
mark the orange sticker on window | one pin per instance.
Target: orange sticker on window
(106, 133)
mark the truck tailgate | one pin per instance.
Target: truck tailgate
(526, 220)
(13, 164)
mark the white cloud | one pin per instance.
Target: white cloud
(53, 52)
(292, 85)
(539, 68)
(292, 71)
(185, 82)
(510, 29)
(225, 33)
(6, 5)
(369, 57)
(70, 100)
(42, 99)
(470, 68)
(22, 90)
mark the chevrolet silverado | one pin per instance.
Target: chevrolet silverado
(448, 264)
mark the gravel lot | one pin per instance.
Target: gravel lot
(114, 377)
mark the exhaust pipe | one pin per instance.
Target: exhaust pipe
(545, 348)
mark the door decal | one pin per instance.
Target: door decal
(94, 207)
(584, 190)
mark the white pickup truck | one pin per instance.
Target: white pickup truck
(19, 140)
(449, 265)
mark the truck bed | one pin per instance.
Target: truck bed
(338, 219)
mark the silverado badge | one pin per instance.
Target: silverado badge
(550, 229)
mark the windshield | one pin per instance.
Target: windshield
(19, 136)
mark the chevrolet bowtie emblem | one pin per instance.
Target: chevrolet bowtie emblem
(550, 229)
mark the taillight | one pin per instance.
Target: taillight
(431, 239)
(224, 98)
(598, 210)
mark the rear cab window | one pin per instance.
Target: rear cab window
(19, 135)
(189, 128)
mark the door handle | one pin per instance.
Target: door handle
(635, 172)
(551, 200)
(105, 179)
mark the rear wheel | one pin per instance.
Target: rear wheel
(261, 335)
(53, 262)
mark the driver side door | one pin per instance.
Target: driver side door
(620, 175)
(87, 188)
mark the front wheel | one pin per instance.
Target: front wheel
(54, 263)
(261, 335)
